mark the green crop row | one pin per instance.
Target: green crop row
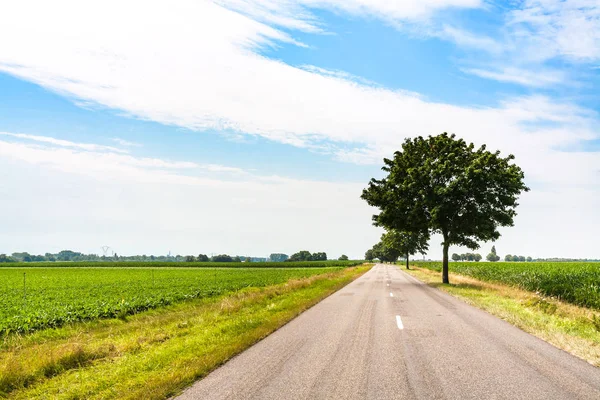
(574, 282)
(37, 298)
(173, 264)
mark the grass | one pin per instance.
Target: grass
(157, 353)
(569, 327)
(575, 282)
(38, 298)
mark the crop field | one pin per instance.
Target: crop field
(574, 282)
(173, 264)
(38, 297)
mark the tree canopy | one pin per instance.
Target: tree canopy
(305, 255)
(441, 184)
(406, 243)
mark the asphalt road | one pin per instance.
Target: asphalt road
(388, 336)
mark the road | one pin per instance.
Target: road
(388, 336)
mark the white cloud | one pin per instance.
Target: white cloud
(558, 28)
(192, 66)
(520, 76)
(195, 65)
(96, 198)
(297, 15)
(62, 143)
(125, 143)
(97, 160)
(470, 40)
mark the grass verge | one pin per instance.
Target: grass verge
(571, 328)
(155, 354)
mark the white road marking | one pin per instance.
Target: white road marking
(399, 322)
(391, 294)
(388, 284)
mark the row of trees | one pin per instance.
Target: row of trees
(441, 184)
(466, 257)
(217, 258)
(395, 244)
(508, 257)
(305, 255)
(68, 255)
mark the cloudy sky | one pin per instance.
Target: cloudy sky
(251, 126)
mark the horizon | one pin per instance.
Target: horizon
(255, 125)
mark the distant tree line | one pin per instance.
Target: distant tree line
(68, 255)
(466, 257)
(305, 255)
(508, 257)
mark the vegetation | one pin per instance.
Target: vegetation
(37, 298)
(157, 353)
(305, 255)
(493, 257)
(196, 264)
(508, 257)
(394, 244)
(577, 283)
(466, 257)
(441, 184)
(68, 255)
(278, 257)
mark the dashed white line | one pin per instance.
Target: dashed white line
(399, 322)
(391, 294)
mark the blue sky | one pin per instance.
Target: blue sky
(251, 126)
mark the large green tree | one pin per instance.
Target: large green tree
(406, 243)
(385, 253)
(444, 185)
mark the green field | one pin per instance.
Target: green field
(174, 264)
(574, 282)
(33, 298)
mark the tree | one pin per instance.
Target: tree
(529, 259)
(493, 257)
(6, 259)
(278, 257)
(303, 255)
(319, 257)
(508, 257)
(406, 243)
(201, 258)
(477, 257)
(190, 259)
(455, 257)
(222, 258)
(343, 257)
(237, 259)
(385, 253)
(442, 184)
(369, 256)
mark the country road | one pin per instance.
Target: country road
(388, 336)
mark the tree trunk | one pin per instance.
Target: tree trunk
(407, 255)
(445, 263)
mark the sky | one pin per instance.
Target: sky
(251, 126)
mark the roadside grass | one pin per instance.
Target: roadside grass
(154, 354)
(571, 328)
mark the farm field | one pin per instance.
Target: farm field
(174, 264)
(156, 353)
(41, 297)
(574, 282)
